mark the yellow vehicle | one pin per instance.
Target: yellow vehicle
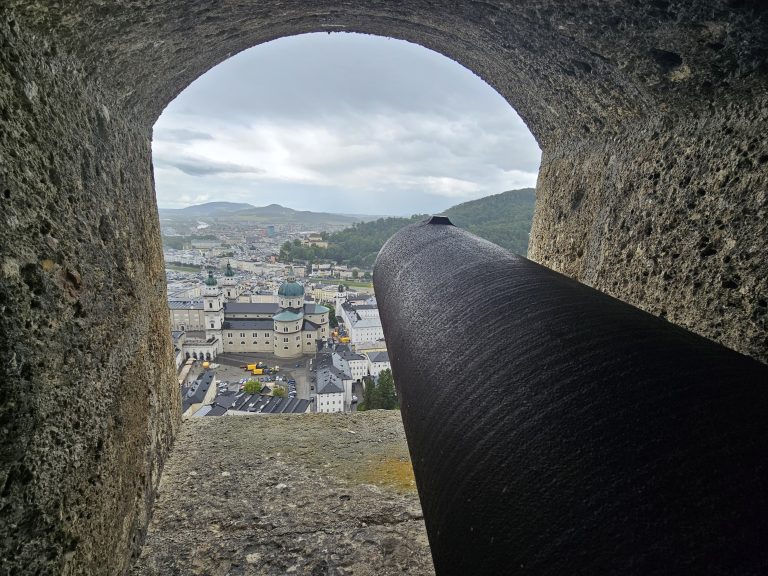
(344, 339)
(257, 371)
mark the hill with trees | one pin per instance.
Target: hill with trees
(233, 212)
(504, 219)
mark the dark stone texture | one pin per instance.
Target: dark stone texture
(651, 117)
(601, 439)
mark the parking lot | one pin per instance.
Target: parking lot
(297, 369)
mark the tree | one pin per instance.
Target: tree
(332, 322)
(379, 395)
(252, 387)
(369, 393)
(278, 391)
(367, 275)
(355, 274)
(387, 396)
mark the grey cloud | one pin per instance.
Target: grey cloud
(390, 115)
(180, 135)
(205, 167)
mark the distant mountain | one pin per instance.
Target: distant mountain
(276, 214)
(258, 215)
(209, 210)
(504, 219)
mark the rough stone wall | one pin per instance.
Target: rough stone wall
(88, 402)
(675, 220)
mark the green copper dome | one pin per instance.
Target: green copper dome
(229, 272)
(290, 289)
(210, 281)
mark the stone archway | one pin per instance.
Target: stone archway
(651, 121)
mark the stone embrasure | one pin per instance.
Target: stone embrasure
(651, 117)
(309, 494)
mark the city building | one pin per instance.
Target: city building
(333, 385)
(356, 365)
(378, 362)
(361, 318)
(220, 323)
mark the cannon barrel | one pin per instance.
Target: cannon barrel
(556, 430)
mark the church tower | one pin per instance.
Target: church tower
(230, 286)
(213, 306)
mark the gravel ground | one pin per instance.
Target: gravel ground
(318, 494)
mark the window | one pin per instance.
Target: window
(210, 304)
(242, 343)
(211, 324)
(298, 337)
(266, 334)
(242, 334)
(229, 334)
(285, 329)
(285, 339)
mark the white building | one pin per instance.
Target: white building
(378, 362)
(334, 386)
(356, 365)
(361, 317)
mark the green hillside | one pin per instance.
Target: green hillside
(504, 219)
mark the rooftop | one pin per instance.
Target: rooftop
(185, 304)
(248, 324)
(379, 356)
(288, 316)
(251, 308)
(311, 308)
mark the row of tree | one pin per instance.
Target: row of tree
(379, 394)
(504, 219)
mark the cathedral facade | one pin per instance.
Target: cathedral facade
(288, 328)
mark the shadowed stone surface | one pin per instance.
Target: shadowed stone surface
(88, 398)
(311, 494)
(651, 117)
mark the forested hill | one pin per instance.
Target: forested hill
(504, 219)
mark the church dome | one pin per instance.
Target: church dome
(290, 289)
(210, 281)
(229, 273)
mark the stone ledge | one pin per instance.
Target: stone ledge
(308, 494)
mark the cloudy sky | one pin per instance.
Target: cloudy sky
(342, 123)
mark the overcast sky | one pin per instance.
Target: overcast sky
(342, 123)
